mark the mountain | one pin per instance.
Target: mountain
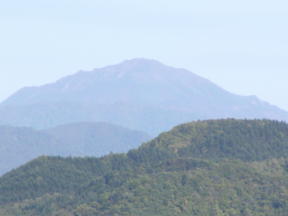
(246, 140)
(19, 144)
(140, 94)
(96, 139)
(205, 168)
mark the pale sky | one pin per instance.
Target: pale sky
(241, 45)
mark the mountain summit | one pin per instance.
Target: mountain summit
(139, 94)
(136, 81)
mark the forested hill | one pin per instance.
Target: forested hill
(206, 168)
(247, 140)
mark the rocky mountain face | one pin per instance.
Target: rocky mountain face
(139, 94)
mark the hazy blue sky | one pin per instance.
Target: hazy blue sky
(242, 45)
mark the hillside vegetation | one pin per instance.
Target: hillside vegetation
(206, 168)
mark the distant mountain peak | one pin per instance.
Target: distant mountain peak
(140, 93)
(137, 65)
(142, 61)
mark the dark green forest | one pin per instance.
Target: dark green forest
(206, 168)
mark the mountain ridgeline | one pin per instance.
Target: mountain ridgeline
(215, 139)
(139, 94)
(20, 144)
(205, 168)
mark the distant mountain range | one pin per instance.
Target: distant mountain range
(19, 144)
(139, 94)
(206, 168)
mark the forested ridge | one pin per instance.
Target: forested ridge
(217, 167)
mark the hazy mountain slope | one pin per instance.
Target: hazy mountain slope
(161, 179)
(97, 139)
(139, 94)
(19, 145)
